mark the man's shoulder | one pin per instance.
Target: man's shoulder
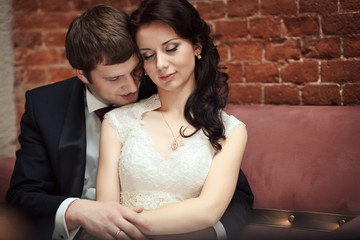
(57, 86)
(57, 94)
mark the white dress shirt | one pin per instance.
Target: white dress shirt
(93, 126)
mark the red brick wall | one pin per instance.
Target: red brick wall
(298, 52)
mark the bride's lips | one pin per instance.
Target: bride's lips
(167, 77)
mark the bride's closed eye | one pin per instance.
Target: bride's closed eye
(147, 56)
(172, 48)
(169, 49)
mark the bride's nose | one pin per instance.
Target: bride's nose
(161, 61)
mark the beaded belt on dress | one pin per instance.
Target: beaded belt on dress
(149, 199)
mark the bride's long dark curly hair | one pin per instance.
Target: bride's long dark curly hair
(202, 109)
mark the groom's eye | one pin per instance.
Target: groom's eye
(114, 79)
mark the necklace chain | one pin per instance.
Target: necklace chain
(174, 144)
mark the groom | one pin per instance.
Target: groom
(54, 176)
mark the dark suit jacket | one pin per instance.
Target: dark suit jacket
(50, 164)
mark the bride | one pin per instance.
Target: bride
(177, 154)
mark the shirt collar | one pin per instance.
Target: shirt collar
(93, 103)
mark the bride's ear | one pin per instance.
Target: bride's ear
(197, 49)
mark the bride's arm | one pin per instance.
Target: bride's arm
(107, 180)
(206, 210)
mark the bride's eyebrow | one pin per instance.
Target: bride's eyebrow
(164, 43)
(169, 41)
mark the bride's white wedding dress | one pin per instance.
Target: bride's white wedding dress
(146, 177)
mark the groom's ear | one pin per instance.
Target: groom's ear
(80, 74)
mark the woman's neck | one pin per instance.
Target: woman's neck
(173, 102)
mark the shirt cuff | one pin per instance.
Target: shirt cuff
(60, 230)
(220, 231)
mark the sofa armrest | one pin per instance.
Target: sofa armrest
(6, 169)
(275, 224)
(316, 221)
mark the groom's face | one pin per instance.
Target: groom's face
(115, 84)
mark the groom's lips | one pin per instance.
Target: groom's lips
(129, 96)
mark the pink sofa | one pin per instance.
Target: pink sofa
(303, 165)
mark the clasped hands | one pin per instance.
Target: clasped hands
(106, 220)
(111, 220)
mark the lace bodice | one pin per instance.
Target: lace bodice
(146, 178)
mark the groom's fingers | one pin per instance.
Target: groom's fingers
(131, 222)
(128, 231)
(134, 217)
(138, 209)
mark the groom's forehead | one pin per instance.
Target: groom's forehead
(120, 69)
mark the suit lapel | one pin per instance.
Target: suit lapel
(72, 144)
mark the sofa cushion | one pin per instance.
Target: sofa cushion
(303, 158)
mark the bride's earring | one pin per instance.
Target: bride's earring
(198, 56)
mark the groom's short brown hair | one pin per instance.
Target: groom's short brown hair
(99, 35)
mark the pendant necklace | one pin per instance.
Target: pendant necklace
(174, 144)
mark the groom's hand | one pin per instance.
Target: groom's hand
(106, 220)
